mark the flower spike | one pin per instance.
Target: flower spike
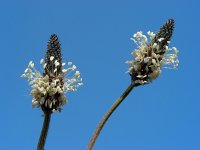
(53, 53)
(48, 90)
(151, 56)
(164, 33)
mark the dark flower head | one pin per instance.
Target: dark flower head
(53, 58)
(164, 35)
(48, 90)
(151, 56)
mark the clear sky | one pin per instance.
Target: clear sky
(95, 35)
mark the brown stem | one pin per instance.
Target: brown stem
(107, 115)
(44, 132)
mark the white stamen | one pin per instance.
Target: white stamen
(51, 58)
(41, 61)
(69, 63)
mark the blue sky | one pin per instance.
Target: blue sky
(95, 35)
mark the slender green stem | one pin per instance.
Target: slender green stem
(44, 132)
(107, 115)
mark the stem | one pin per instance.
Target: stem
(44, 132)
(107, 115)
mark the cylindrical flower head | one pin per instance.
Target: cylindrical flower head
(53, 72)
(150, 56)
(48, 90)
(164, 35)
(53, 58)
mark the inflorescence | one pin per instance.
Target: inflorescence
(151, 54)
(48, 90)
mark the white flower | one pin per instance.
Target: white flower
(34, 103)
(146, 59)
(160, 39)
(41, 61)
(30, 62)
(32, 65)
(49, 91)
(153, 61)
(44, 66)
(57, 64)
(77, 73)
(55, 70)
(151, 34)
(69, 63)
(154, 45)
(73, 67)
(23, 75)
(26, 70)
(149, 59)
(64, 70)
(51, 58)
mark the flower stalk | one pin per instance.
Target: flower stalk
(49, 88)
(44, 132)
(108, 114)
(150, 56)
